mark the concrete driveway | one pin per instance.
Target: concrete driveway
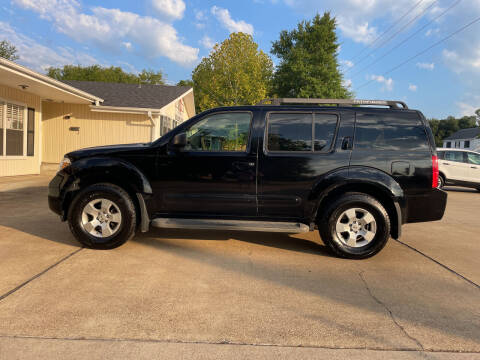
(200, 294)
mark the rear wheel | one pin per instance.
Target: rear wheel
(355, 226)
(102, 216)
(441, 182)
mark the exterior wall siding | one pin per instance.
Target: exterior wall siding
(94, 129)
(460, 144)
(23, 165)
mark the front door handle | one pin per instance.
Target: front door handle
(473, 167)
(445, 164)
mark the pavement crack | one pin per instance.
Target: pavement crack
(234, 343)
(390, 313)
(439, 263)
(10, 292)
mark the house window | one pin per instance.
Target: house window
(448, 144)
(466, 144)
(13, 129)
(31, 132)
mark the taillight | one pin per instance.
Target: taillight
(434, 172)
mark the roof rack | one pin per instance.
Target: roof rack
(392, 104)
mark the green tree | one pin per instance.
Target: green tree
(467, 122)
(442, 129)
(185, 83)
(8, 51)
(308, 65)
(151, 77)
(105, 74)
(235, 73)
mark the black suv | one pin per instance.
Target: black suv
(355, 172)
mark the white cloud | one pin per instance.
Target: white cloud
(358, 32)
(128, 67)
(386, 82)
(412, 87)
(430, 32)
(224, 17)
(127, 44)
(170, 9)
(207, 42)
(347, 63)
(466, 62)
(200, 15)
(347, 83)
(467, 109)
(426, 66)
(355, 17)
(109, 28)
(39, 57)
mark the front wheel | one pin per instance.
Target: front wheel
(355, 226)
(102, 216)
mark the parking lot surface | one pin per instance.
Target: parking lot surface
(203, 294)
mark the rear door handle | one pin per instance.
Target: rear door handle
(347, 143)
(242, 165)
(445, 164)
(473, 167)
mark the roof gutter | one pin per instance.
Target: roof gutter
(127, 110)
(124, 110)
(47, 80)
(135, 110)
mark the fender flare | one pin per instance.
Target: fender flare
(358, 177)
(86, 170)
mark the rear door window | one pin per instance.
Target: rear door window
(456, 156)
(393, 132)
(290, 132)
(325, 127)
(301, 131)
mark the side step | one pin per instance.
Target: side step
(239, 225)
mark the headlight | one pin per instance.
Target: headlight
(64, 163)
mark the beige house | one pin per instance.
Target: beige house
(41, 118)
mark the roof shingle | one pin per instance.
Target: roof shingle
(469, 133)
(131, 95)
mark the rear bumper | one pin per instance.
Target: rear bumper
(429, 206)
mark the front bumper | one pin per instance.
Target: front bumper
(428, 206)
(55, 196)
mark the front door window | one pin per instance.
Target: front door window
(223, 132)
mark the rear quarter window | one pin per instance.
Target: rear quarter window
(393, 132)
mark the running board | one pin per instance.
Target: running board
(238, 225)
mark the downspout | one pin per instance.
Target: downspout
(154, 132)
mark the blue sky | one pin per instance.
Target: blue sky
(173, 35)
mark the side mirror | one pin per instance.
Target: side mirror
(179, 140)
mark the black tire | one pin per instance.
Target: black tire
(121, 199)
(328, 221)
(441, 182)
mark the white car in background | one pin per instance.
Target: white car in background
(458, 167)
